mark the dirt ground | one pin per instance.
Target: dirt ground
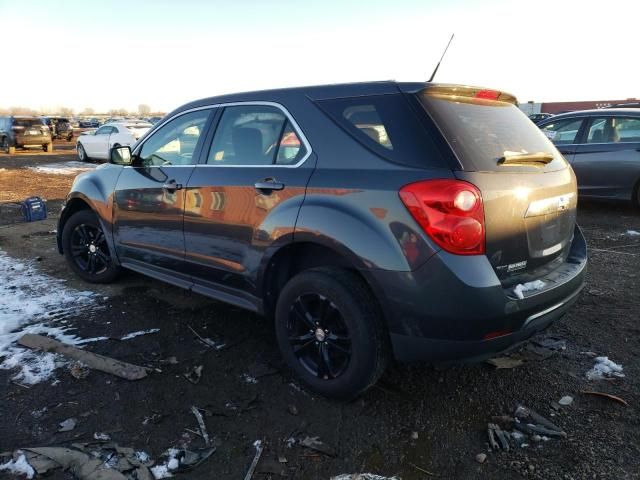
(418, 419)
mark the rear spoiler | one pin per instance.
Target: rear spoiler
(467, 94)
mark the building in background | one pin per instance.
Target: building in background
(531, 108)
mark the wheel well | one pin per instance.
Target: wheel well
(74, 205)
(293, 259)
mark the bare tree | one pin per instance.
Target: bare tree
(65, 111)
(22, 111)
(87, 111)
(144, 110)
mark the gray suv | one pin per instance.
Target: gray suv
(372, 222)
(23, 131)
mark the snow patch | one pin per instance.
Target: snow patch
(248, 378)
(31, 302)
(131, 335)
(633, 233)
(527, 287)
(604, 368)
(164, 470)
(19, 467)
(63, 168)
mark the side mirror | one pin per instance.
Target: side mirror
(121, 156)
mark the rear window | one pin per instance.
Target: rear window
(480, 131)
(27, 122)
(387, 125)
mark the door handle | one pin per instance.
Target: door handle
(268, 184)
(172, 186)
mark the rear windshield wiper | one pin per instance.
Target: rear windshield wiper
(514, 158)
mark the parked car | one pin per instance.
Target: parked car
(603, 147)
(24, 131)
(372, 221)
(89, 123)
(98, 144)
(538, 117)
(60, 127)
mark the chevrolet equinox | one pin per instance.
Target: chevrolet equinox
(372, 222)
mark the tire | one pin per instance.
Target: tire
(48, 147)
(86, 250)
(349, 334)
(82, 154)
(6, 146)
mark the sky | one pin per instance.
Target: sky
(164, 53)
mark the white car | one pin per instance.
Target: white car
(98, 144)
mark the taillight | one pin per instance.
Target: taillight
(450, 212)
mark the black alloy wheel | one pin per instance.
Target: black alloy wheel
(86, 248)
(330, 331)
(89, 249)
(319, 336)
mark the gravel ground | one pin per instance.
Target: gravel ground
(418, 418)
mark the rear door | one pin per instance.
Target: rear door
(529, 204)
(150, 197)
(245, 195)
(607, 164)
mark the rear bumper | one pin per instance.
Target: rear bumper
(449, 308)
(34, 140)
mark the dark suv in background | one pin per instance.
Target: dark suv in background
(371, 222)
(60, 128)
(19, 132)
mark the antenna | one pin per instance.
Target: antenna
(443, 53)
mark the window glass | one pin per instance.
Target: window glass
(387, 125)
(103, 131)
(290, 149)
(175, 142)
(614, 130)
(563, 132)
(247, 135)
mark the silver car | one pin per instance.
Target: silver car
(603, 147)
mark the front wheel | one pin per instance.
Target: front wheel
(48, 147)
(82, 154)
(86, 249)
(330, 332)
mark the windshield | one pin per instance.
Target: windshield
(481, 132)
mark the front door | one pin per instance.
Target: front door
(96, 145)
(150, 195)
(565, 135)
(245, 196)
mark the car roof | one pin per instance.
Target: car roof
(608, 112)
(315, 92)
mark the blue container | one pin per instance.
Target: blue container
(34, 208)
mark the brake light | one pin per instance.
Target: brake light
(487, 94)
(451, 212)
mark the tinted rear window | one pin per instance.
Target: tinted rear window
(387, 125)
(482, 131)
(27, 122)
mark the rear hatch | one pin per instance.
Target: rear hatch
(528, 189)
(30, 127)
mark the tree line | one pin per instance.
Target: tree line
(143, 110)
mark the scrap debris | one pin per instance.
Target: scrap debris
(68, 425)
(538, 348)
(97, 461)
(605, 395)
(91, 360)
(194, 375)
(362, 476)
(256, 458)
(314, 443)
(525, 424)
(201, 425)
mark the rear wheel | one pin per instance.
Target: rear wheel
(86, 250)
(82, 154)
(48, 147)
(330, 332)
